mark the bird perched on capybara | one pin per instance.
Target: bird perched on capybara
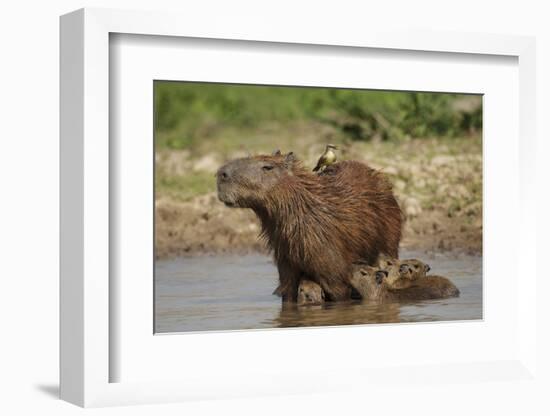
(327, 158)
(316, 225)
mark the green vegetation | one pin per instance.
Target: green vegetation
(188, 113)
(184, 187)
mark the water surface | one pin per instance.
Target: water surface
(235, 292)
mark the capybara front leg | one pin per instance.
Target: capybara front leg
(289, 279)
(337, 291)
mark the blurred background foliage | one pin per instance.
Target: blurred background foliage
(428, 144)
(187, 113)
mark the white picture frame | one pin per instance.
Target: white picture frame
(87, 329)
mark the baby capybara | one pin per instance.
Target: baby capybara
(398, 276)
(310, 293)
(418, 268)
(371, 284)
(402, 273)
(316, 225)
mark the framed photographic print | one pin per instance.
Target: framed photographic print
(385, 192)
(248, 214)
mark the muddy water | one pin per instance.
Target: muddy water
(234, 292)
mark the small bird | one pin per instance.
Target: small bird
(327, 158)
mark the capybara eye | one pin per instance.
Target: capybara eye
(267, 167)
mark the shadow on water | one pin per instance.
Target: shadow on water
(234, 292)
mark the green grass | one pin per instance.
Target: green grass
(412, 159)
(385, 128)
(187, 114)
(182, 188)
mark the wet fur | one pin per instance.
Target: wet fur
(399, 278)
(425, 288)
(310, 293)
(429, 287)
(319, 225)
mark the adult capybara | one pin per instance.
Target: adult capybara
(316, 225)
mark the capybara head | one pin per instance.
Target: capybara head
(400, 276)
(418, 268)
(310, 293)
(246, 182)
(370, 282)
(402, 273)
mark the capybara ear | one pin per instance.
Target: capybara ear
(404, 268)
(290, 159)
(276, 152)
(428, 268)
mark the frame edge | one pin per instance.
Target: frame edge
(71, 202)
(82, 355)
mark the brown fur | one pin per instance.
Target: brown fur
(316, 225)
(430, 287)
(403, 273)
(419, 269)
(372, 287)
(310, 293)
(399, 276)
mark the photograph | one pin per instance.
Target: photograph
(291, 206)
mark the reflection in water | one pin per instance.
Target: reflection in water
(234, 292)
(342, 313)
